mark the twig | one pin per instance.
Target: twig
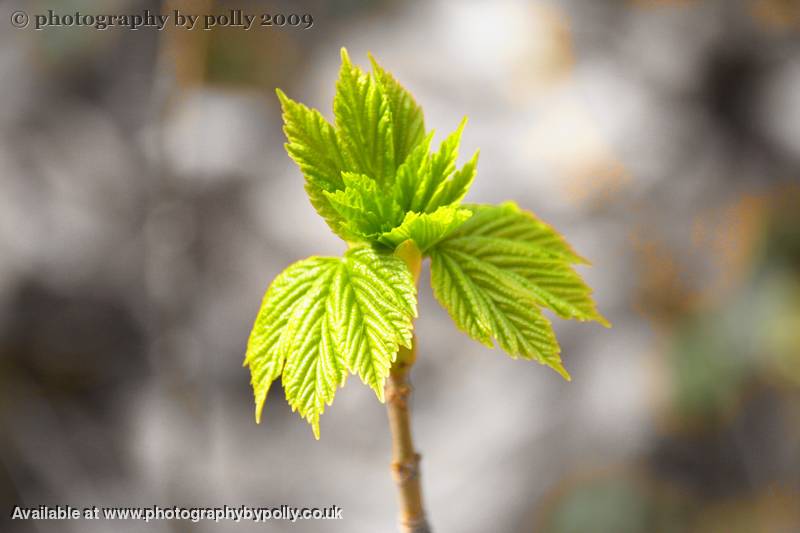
(405, 460)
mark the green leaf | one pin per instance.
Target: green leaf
(426, 229)
(442, 164)
(550, 282)
(455, 188)
(534, 253)
(323, 317)
(378, 143)
(285, 294)
(314, 368)
(367, 212)
(375, 302)
(486, 303)
(364, 123)
(496, 270)
(313, 145)
(507, 221)
(374, 180)
(408, 121)
(411, 173)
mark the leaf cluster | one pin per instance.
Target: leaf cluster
(374, 178)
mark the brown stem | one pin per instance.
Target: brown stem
(405, 460)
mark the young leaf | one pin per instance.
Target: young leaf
(375, 302)
(367, 212)
(507, 221)
(487, 303)
(408, 121)
(313, 145)
(442, 164)
(314, 368)
(373, 178)
(455, 188)
(285, 294)
(323, 317)
(502, 249)
(426, 229)
(534, 253)
(364, 123)
(411, 173)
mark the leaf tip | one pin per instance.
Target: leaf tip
(603, 321)
(558, 367)
(379, 392)
(282, 98)
(259, 408)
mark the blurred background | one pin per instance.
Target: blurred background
(146, 202)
